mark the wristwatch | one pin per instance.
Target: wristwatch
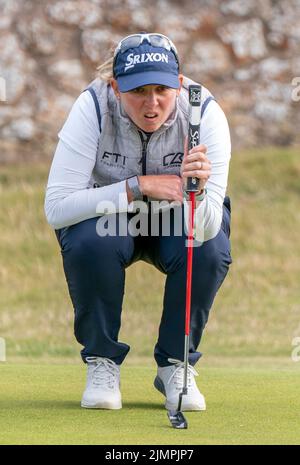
(134, 186)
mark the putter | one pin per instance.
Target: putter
(176, 417)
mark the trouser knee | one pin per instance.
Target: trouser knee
(81, 244)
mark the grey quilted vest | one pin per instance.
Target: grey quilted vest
(124, 150)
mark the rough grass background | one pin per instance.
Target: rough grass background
(256, 313)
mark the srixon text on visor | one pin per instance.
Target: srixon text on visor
(132, 59)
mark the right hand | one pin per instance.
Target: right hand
(162, 187)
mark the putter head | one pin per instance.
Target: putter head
(177, 419)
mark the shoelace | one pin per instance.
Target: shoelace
(178, 373)
(105, 371)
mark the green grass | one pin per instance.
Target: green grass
(257, 310)
(248, 377)
(40, 404)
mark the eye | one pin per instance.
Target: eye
(138, 90)
(162, 89)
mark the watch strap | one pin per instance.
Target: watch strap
(134, 186)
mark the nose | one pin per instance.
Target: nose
(151, 99)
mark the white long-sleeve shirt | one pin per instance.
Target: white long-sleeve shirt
(68, 198)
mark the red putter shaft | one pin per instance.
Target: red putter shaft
(192, 201)
(176, 417)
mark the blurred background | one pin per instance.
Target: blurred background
(248, 55)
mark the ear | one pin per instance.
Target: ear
(115, 87)
(180, 78)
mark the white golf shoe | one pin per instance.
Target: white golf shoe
(103, 384)
(169, 381)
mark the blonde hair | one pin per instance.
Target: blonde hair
(105, 69)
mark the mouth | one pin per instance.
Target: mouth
(150, 116)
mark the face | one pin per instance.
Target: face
(149, 106)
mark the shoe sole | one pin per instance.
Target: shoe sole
(159, 385)
(102, 405)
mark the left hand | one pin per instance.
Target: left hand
(195, 164)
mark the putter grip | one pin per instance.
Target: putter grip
(194, 128)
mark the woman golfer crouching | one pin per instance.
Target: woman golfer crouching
(123, 141)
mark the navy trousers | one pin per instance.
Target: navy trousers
(95, 272)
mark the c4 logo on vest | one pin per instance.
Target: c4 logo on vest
(173, 159)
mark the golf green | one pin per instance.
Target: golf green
(40, 404)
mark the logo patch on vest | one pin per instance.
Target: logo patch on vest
(173, 159)
(133, 60)
(114, 159)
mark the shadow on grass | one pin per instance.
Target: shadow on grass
(15, 404)
(143, 405)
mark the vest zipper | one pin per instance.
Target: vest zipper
(145, 140)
